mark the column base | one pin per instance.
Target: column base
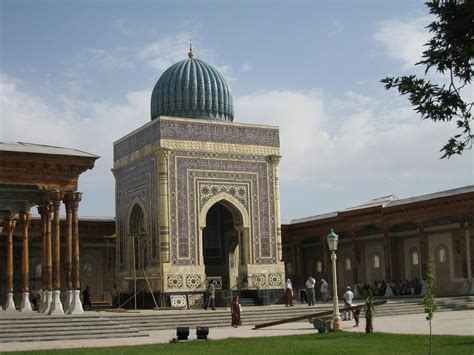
(9, 304)
(76, 305)
(47, 301)
(56, 305)
(471, 291)
(25, 305)
(67, 304)
(336, 324)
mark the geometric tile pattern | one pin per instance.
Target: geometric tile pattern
(179, 301)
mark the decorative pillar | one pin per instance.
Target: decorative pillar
(423, 251)
(68, 202)
(47, 264)
(163, 201)
(9, 226)
(275, 160)
(386, 254)
(56, 305)
(76, 306)
(355, 276)
(467, 243)
(324, 242)
(296, 255)
(25, 305)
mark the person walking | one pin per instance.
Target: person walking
(34, 294)
(348, 296)
(211, 296)
(324, 290)
(288, 293)
(310, 282)
(235, 312)
(86, 298)
(115, 297)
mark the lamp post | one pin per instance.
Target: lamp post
(332, 244)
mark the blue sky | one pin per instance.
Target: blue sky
(80, 74)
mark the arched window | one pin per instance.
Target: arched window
(442, 255)
(347, 263)
(376, 261)
(414, 257)
(319, 266)
(139, 235)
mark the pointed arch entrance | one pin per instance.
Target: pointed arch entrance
(224, 241)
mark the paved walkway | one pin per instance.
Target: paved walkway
(447, 323)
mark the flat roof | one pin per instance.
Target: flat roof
(22, 147)
(386, 202)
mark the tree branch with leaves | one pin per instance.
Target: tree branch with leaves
(450, 52)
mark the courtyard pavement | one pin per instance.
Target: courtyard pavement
(444, 323)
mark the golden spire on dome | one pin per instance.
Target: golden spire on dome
(191, 54)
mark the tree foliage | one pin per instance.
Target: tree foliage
(449, 52)
(429, 304)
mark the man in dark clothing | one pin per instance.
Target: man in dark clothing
(86, 295)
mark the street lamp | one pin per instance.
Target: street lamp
(332, 244)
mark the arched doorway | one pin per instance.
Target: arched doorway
(220, 244)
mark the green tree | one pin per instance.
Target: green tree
(429, 304)
(369, 310)
(450, 52)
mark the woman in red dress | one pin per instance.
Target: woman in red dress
(235, 309)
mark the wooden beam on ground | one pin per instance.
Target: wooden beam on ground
(316, 315)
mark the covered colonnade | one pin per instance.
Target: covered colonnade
(45, 177)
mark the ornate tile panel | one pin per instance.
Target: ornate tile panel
(248, 178)
(137, 182)
(202, 131)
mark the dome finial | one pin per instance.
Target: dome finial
(190, 54)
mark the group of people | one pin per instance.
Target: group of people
(308, 294)
(396, 288)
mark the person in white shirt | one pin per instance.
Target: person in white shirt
(324, 290)
(310, 282)
(348, 296)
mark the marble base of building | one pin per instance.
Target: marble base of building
(67, 304)
(56, 307)
(25, 305)
(47, 301)
(76, 305)
(9, 304)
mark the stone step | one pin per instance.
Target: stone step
(108, 325)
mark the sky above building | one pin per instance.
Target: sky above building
(80, 74)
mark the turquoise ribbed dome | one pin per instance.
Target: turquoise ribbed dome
(192, 89)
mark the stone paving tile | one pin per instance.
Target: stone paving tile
(445, 323)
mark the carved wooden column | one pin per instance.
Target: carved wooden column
(324, 242)
(46, 266)
(76, 305)
(56, 305)
(9, 226)
(296, 259)
(163, 210)
(386, 254)
(355, 276)
(68, 202)
(25, 219)
(423, 251)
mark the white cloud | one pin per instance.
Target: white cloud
(167, 51)
(29, 118)
(324, 141)
(246, 67)
(404, 39)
